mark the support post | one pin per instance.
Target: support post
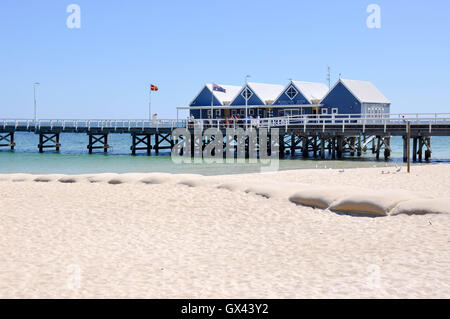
(333, 151)
(339, 140)
(428, 148)
(359, 146)
(140, 139)
(322, 148)
(408, 137)
(156, 143)
(405, 149)
(315, 146)
(46, 138)
(420, 148)
(98, 141)
(7, 140)
(378, 147)
(387, 147)
(282, 145)
(305, 146)
(292, 144)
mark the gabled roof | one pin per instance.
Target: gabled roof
(231, 92)
(228, 96)
(265, 92)
(310, 90)
(364, 91)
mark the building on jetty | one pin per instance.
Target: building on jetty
(259, 96)
(301, 98)
(217, 98)
(355, 97)
(297, 98)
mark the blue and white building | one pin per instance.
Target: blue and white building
(200, 106)
(355, 97)
(255, 98)
(299, 98)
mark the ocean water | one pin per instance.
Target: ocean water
(73, 158)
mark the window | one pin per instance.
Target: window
(243, 112)
(325, 111)
(334, 110)
(217, 112)
(247, 94)
(208, 113)
(291, 92)
(233, 112)
(251, 112)
(292, 112)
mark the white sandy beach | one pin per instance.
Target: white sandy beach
(236, 236)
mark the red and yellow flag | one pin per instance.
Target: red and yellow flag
(153, 87)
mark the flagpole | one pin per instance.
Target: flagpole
(212, 100)
(150, 105)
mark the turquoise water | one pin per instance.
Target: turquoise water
(73, 158)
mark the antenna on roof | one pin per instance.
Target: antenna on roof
(329, 77)
(340, 75)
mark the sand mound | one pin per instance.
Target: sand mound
(157, 178)
(231, 186)
(320, 197)
(274, 189)
(48, 178)
(191, 180)
(348, 200)
(423, 207)
(369, 202)
(69, 180)
(17, 177)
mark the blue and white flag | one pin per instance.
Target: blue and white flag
(218, 88)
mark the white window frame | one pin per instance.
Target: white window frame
(324, 111)
(251, 112)
(246, 89)
(291, 111)
(208, 113)
(218, 113)
(334, 110)
(234, 112)
(296, 92)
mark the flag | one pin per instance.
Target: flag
(153, 87)
(218, 88)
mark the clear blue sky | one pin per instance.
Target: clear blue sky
(103, 69)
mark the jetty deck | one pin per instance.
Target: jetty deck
(312, 135)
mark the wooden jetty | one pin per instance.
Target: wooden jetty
(320, 136)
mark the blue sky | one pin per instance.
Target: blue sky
(103, 69)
